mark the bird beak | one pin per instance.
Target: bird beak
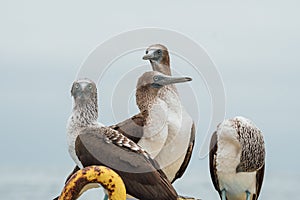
(81, 96)
(173, 80)
(148, 56)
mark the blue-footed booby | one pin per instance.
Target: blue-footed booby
(181, 128)
(161, 129)
(91, 143)
(237, 159)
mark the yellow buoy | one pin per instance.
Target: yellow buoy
(109, 180)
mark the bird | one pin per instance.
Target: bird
(181, 127)
(91, 143)
(153, 110)
(237, 159)
(158, 56)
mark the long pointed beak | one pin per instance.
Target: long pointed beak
(148, 56)
(173, 80)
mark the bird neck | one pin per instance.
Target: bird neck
(145, 98)
(169, 92)
(84, 114)
(162, 67)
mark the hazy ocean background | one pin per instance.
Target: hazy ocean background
(254, 44)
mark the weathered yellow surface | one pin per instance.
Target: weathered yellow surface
(109, 180)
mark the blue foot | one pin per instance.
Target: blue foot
(105, 197)
(248, 194)
(223, 194)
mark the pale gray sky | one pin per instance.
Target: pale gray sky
(254, 44)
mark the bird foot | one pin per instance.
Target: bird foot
(248, 194)
(223, 194)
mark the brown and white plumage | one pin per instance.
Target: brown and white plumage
(176, 153)
(142, 177)
(158, 55)
(237, 159)
(91, 143)
(150, 126)
(181, 125)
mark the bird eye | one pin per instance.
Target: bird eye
(90, 86)
(155, 78)
(147, 52)
(76, 86)
(159, 52)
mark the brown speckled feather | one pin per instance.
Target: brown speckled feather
(141, 174)
(132, 128)
(253, 150)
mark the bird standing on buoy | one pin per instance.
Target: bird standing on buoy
(237, 159)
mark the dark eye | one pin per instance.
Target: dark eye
(147, 51)
(77, 86)
(159, 52)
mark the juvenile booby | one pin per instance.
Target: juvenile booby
(180, 124)
(91, 143)
(237, 159)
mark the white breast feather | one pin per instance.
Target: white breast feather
(155, 134)
(179, 132)
(228, 158)
(72, 133)
(229, 148)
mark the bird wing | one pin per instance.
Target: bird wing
(141, 174)
(259, 180)
(188, 155)
(253, 148)
(132, 128)
(253, 152)
(212, 161)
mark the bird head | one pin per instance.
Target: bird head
(157, 80)
(149, 85)
(158, 56)
(84, 90)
